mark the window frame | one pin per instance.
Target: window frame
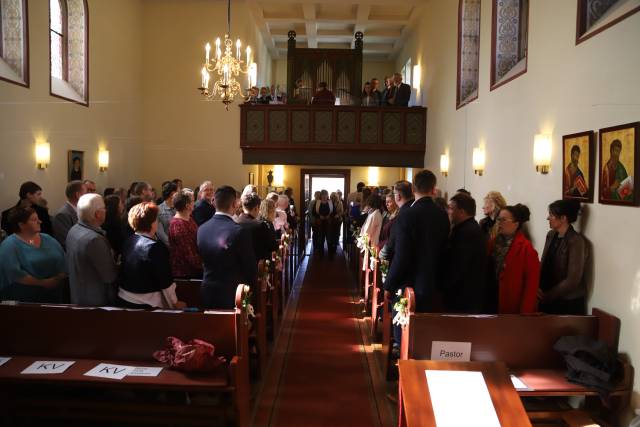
(25, 48)
(462, 102)
(64, 41)
(583, 34)
(85, 102)
(494, 23)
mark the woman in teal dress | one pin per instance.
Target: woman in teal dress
(32, 264)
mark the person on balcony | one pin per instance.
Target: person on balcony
(400, 92)
(323, 96)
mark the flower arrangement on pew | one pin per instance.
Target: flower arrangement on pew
(402, 310)
(266, 274)
(286, 239)
(384, 269)
(246, 303)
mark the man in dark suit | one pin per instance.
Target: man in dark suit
(227, 254)
(463, 283)
(421, 234)
(403, 196)
(401, 93)
(264, 242)
(67, 217)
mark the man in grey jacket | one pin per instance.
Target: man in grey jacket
(67, 216)
(92, 270)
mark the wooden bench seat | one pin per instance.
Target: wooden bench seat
(524, 342)
(32, 332)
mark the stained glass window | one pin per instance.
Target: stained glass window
(468, 51)
(510, 40)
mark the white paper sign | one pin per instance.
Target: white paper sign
(519, 385)
(451, 350)
(108, 370)
(461, 398)
(142, 371)
(48, 367)
(4, 360)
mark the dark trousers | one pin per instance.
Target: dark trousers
(218, 296)
(320, 234)
(575, 307)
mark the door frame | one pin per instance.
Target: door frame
(322, 172)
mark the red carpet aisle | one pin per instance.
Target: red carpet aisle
(325, 378)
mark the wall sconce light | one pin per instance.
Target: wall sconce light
(478, 161)
(103, 160)
(278, 175)
(43, 154)
(409, 174)
(444, 164)
(542, 153)
(373, 176)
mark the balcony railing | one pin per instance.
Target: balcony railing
(333, 135)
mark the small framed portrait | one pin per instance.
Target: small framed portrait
(252, 178)
(75, 165)
(578, 166)
(619, 149)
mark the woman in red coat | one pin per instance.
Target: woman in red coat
(515, 263)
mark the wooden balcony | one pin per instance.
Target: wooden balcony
(333, 135)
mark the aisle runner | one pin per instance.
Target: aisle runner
(325, 382)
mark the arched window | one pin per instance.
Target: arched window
(68, 35)
(468, 51)
(510, 32)
(595, 16)
(14, 42)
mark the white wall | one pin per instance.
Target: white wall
(184, 135)
(566, 89)
(112, 118)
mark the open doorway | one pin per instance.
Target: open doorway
(312, 180)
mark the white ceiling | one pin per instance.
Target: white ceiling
(333, 23)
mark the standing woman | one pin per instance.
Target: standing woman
(335, 221)
(368, 98)
(322, 211)
(32, 266)
(373, 224)
(183, 238)
(493, 202)
(515, 263)
(113, 226)
(267, 216)
(562, 285)
(388, 218)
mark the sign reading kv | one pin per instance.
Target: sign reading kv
(48, 367)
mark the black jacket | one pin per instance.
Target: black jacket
(264, 241)
(389, 247)
(421, 234)
(145, 265)
(465, 273)
(402, 95)
(202, 212)
(229, 260)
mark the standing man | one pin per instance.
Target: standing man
(375, 91)
(227, 252)
(66, 217)
(30, 197)
(463, 284)
(420, 242)
(401, 93)
(92, 270)
(90, 186)
(403, 196)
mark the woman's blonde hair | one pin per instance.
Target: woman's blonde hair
(498, 201)
(267, 209)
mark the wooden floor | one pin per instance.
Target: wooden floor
(323, 371)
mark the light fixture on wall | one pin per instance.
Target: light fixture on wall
(225, 66)
(373, 175)
(542, 153)
(417, 76)
(103, 159)
(278, 175)
(43, 154)
(444, 164)
(478, 161)
(409, 174)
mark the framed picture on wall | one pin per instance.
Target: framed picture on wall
(75, 165)
(578, 166)
(619, 149)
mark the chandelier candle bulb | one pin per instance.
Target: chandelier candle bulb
(207, 48)
(238, 46)
(248, 55)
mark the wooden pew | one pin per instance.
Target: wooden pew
(523, 342)
(377, 298)
(188, 290)
(32, 332)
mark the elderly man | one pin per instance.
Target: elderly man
(90, 186)
(92, 271)
(67, 216)
(401, 92)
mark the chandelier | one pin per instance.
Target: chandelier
(226, 67)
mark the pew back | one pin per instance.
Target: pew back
(100, 334)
